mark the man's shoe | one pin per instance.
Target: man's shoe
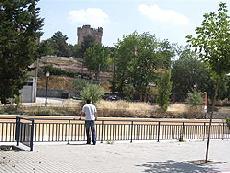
(87, 143)
(94, 143)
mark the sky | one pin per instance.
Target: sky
(166, 19)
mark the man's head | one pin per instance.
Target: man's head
(88, 101)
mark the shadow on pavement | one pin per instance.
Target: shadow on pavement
(171, 166)
(77, 144)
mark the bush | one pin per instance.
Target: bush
(59, 72)
(194, 98)
(80, 84)
(195, 101)
(164, 89)
(93, 92)
(10, 109)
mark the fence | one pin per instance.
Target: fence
(24, 131)
(59, 130)
(112, 130)
(17, 129)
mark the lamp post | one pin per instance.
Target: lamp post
(195, 86)
(205, 103)
(47, 77)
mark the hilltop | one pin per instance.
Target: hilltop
(71, 66)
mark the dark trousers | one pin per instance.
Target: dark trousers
(90, 129)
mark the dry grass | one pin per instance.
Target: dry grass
(140, 109)
(124, 108)
(116, 109)
(60, 61)
(51, 110)
(57, 82)
(131, 106)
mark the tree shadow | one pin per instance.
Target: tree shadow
(171, 166)
(78, 144)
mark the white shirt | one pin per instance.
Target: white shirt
(89, 110)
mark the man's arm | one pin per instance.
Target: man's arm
(81, 114)
(95, 115)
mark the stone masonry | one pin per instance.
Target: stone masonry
(86, 30)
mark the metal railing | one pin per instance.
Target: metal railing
(58, 129)
(24, 131)
(7, 129)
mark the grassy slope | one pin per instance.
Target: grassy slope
(68, 64)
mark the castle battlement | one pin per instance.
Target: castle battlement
(86, 30)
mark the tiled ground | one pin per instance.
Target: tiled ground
(166, 157)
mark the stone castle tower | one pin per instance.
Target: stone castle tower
(86, 30)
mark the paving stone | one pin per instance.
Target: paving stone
(120, 157)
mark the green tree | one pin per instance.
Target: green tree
(194, 98)
(19, 35)
(164, 90)
(93, 92)
(46, 47)
(212, 42)
(80, 84)
(88, 41)
(188, 71)
(96, 59)
(224, 91)
(61, 47)
(137, 58)
(75, 51)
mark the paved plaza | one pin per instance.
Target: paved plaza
(119, 157)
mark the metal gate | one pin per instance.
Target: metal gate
(24, 131)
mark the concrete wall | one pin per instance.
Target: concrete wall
(28, 92)
(41, 92)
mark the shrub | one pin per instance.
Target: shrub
(59, 72)
(194, 98)
(10, 109)
(164, 88)
(17, 100)
(80, 84)
(93, 92)
(195, 101)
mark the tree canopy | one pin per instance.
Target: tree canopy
(164, 90)
(212, 40)
(137, 57)
(96, 58)
(56, 45)
(188, 71)
(19, 35)
(212, 43)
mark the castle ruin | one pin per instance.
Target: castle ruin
(86, 30)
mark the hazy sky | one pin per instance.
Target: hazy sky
(167, 19)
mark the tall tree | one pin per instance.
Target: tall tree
(19, 35)
(164, 90)
(137, 57)
(212, 42)
(96, 59)
(61, 47)
(188, 71)
(75, 51)
(46, 47)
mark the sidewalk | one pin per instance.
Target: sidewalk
(119, 157)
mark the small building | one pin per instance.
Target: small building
(28, 92)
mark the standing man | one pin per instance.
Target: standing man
(89, 110)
